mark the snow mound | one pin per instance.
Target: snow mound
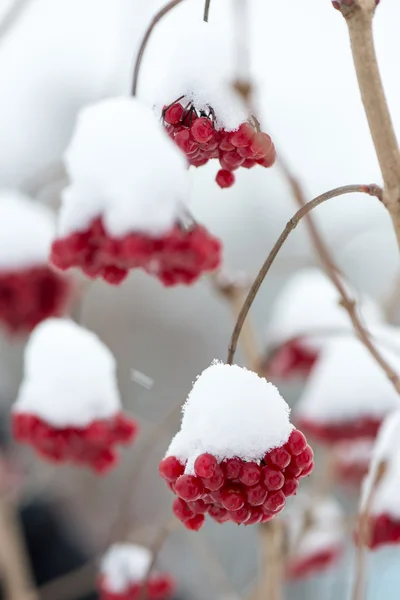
(122, 167)
(325, 525)
(27, 229)
(386, 450)
(347, 383)
(69, 376)
(309, 302)
(230, 412)
(124, 564)
(194, 72)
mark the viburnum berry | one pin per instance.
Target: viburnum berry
(199, 138)
(289, 360)
(204, 465)
(250, 473)
(170, 468)
(189, 487)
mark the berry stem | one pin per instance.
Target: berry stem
(372, 190)
(206, 10)
(158, 16)
(272, 539)
(359, 18)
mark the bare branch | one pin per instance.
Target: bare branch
(206, 10)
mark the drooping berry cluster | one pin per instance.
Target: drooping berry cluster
(351, 461)
(318, 562)
(235, 490)
(290, 360)
(178, 257)
(92, 446)
(159, 587)
(363, 427)
(197, 136)
(30, 296)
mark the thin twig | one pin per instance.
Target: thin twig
(206, 10)
(161, 13)
(359, 17)
(291, 224)
(15, 11)
(155, 551)
(272, 536)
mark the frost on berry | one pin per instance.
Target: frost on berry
(342, 402)
(125, 205)
(316, 536)
(304, 316)
(123, 571)
(351, 459)
(234, 460)
(30, 290)
(380, 489)
(68, 406)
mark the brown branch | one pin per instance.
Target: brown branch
(291, 224)
(155, 551)
(161, 13)
(272, 546)
(206, 10)
(359, 18)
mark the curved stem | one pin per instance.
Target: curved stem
(291, 224)
(161, 13)
(206, 10)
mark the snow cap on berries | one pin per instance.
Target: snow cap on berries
(201, 69)
(124, 564)
(318, 523)
(27, 229)
(231, 412)
(309, 302)
(347, 384)
(386, 450)
(69, 376)
(122, 167)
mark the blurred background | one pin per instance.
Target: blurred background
(60, 55)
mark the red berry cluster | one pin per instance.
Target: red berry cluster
(235, 490)
(180, 256)
(159, 587)
(196, 135)
(92, 446)
(299, 568)
(382, 530)
(30, 296)
(348, 470)
(364, 427)
(290, 360)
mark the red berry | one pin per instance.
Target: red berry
(261, 145)
(173, 114)
(216, 496)
(232, 468)
(272, 479)
(268, 160)
(241, 515)
(278, 457)
(181, 510)
(248, 163)
(225, 145)
(216, 481)
(296, 443)
(275, 502)
(267, 516)
(219, 514)
(170, 468)
(225, 178)
(256, 495)
(250, 473)
(307, 470)
(202, 130)
(204, 465)
(290, 487)
(185, 142)
(198, 506)
(304, 459)
(189, 487)
(195, 523)
(232, 497)
(292, 471)
(243, 136)
(255, 517)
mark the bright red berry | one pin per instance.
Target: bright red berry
(273, 480)
(296, 443)
(204, 465)
(225, 178)
(256, 495)
(219, 514)
(250, 473)
(241, 515)
(275, 502)
(243, 136)
(216, 481)
(170, 468)
(173, 114)
(255, 517)
(307, 470)
(185, 142)
(278, 457)
(304, 459)
(202, 130)
(290, 487)
(232, 497)
(195, 523)
(198, 506)
(189, 487)
(181, 510)
(232, 468)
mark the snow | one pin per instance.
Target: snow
(193, 72)
(309, 302)
(386, 450)
(229, 412)
(347, 383)
(69, 376)
(326, 531)
(124, 564)
(123, 167)
(26, 231)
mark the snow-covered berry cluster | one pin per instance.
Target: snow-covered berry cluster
(351, 459)
(316, 536)
(30, 290)
(125, 206)
(236, 457)
(196, 134)
(293, 358)
(123, 571)
(68, 407)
